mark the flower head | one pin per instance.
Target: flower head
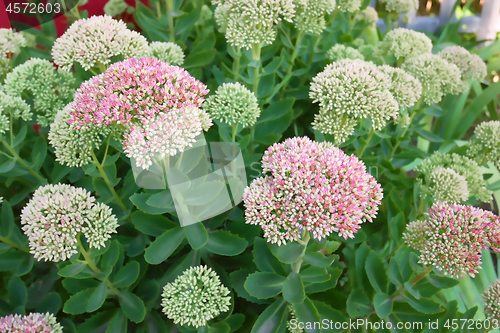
(437, 76)
(370, 53)
(164, 134)
(310, 14)
(453, 188)
(447, 185)
(12, 107)
(310, 186)
(195, 297)
(11, 42)
(57, 214)
(132, 90)
(167, 52)
(349, 5)
(485, 145)
(340, 51)
(32, 323)
(491, 298)
(74, 147)
(471, 66)
(233, 103)
(404, 43)
(401, 6)
(452, 236)
(405, 88)
(369, 15)
(50, 88)
(248, 22)
(95, 40)
(348, 91)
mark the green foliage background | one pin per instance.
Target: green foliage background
(373, 276)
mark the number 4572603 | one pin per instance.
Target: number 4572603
(33, 8)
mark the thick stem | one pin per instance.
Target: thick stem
(170, 7)
(298, 263)
(21, 161)
(295, 51)
(370, 136)
(93, 266)
(413, 282)
(352, 21)
(234, 128)
(237, 61)
(13, 244)
(108, 183)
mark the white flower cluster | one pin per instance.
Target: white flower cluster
(195, 297)
(369, 15)
(437, 76)
(443, 177)
(57, 214)
(164, 134)
(11, 42)
(471, 66)
(340, 51)
(485, 145)
(405, 88)
(401, 6)
(96, 40)
(491, 298)
(404, 43)
(349, 5)
(248, 22)
(348, 91)
(168, 52)
(50, 88)
(310, 14)
(74, 148)
(14, 107)
(233, 103)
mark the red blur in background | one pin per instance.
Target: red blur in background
(94, 7)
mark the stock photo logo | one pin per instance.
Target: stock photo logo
(205, 180)
(27, 14)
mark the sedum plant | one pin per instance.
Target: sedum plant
(286, 126)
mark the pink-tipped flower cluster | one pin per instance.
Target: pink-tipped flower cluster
(310, 186)
(32, 323)
(134, 89)
(154, 105)
(452, 236)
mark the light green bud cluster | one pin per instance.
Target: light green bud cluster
(442, 176)
(340, 51)
(233, 103)
(50, 88)
(195, 297)
(310, 14)
(249, 22)
(12, 107)
(437, 76)
(168, 52)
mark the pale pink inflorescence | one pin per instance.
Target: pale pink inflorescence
(32, 323)
(452, 236)
(310, 186)
(155, 105)
(134, 89)
(57, 214)
(165, 134)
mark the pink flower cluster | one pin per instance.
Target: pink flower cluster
(310, 186)
(452, 237)
(32, 323)
(155, 106)
(133, 89)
